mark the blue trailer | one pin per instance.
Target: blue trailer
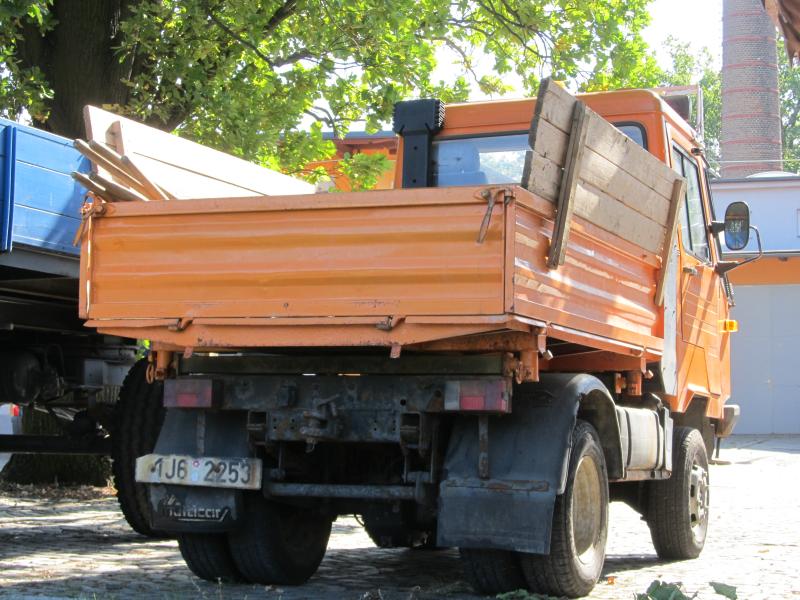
(48, 360)
(40, 200)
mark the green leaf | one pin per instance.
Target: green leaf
(660, 590)
(723, 589)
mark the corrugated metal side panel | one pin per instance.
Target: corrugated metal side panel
(346, 261)
(47, 200)
(600, 289)
(41, 201)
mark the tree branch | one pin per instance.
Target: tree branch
(241, 40)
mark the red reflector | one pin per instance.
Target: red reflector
(189, 393)
(14, 410)
(483, 395)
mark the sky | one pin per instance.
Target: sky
(698, 22)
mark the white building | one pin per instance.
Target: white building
(765, 353)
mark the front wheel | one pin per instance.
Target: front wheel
(580, 524)
(677, 508)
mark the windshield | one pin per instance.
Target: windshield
(490, 159)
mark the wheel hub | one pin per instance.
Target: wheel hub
(586, 508)
(698, 500)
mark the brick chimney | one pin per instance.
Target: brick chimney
(751, 123)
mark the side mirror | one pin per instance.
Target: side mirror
(737, 225)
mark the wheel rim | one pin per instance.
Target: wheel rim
(698, 500)
(587, 507)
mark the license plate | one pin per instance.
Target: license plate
(206, 471)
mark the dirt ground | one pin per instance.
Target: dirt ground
(75, 544)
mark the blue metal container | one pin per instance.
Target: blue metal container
(40, 210)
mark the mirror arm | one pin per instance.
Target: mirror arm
(716, 227)
(725, 266)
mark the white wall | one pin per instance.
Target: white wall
(765, 358)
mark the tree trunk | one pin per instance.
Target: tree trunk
(80, 59)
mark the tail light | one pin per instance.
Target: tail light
(14, 410)
(478, 395)
(191, 393)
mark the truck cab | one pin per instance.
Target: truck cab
(486, 143)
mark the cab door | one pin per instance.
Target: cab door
(700, 293)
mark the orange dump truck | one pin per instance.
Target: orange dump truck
(532, 324)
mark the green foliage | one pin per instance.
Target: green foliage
(661, 590)
(789, 84)
(723, 589)
(690, 68)
(363, 170)
(242, 75)
(22, 87)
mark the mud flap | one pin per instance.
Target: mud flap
(180, 508)
(528, 459)
(193, 432)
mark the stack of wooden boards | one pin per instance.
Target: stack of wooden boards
(135, 162)
(589, 168)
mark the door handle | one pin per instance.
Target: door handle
(690, 270)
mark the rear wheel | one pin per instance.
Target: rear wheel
(278, 543)
(677, 508)
(208, 556)
(388, 528)
(138, 416)
(580, 524)
(492, 571)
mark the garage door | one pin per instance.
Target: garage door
(765, 358)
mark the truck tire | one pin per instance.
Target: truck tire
(138, 416)
(677, 508)
(389, 529)
(580, 524)
(278, 543)
(208, 556)
(492, 572)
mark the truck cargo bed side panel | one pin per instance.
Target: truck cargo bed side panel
(606, 286)
(399, 259)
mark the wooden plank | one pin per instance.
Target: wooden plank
(608, 141)
(151, 189)
(602, 173)
(599, 208)
(554, 104)
(569, 183)
(543, 176)
(672, 228)
(550, 142)
(117, 191)
(183, 168)
(619, 187)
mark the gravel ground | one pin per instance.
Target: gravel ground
(57, 543)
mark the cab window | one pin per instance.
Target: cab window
(494, 159)
(693, 222)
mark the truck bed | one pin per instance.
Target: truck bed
(361, 269)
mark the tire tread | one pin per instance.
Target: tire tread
(138, 415)
(666, 504)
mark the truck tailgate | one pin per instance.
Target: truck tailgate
(387, 254)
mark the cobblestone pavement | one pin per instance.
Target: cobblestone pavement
(83, 549)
